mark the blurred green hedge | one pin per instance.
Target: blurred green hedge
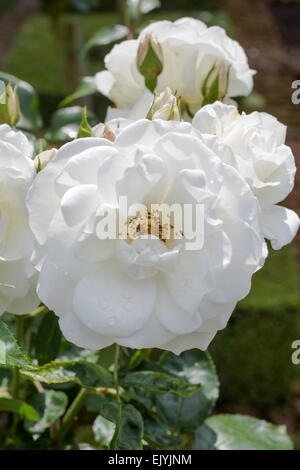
(253, 353)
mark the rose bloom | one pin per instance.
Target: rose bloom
(17, 172)
(189, 51)
(255, 146)
(147, 291)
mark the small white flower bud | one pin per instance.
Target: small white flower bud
(165, 107)
(9, 106)
(43, 158)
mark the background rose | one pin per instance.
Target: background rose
(17, 172)
(190, 50)
(146, 293)
(257, 151)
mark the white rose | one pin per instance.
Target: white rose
(17, 172)
(255, 147)
(146, 292)
(190, 50)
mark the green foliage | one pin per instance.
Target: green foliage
(106, 35)
(29, 103)
(204, 438)
(103, 430)
(145, 7)
(129, 430)
(163, 402)
(10, 353)
(258, 338)
(47, 339)
(238, 432)
(85, 129)
(157, 382)
(84, 373)
(65, 123)
(49, 406)
(86, 87)
(18, 406)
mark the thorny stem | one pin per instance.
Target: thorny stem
(116, 367)
(16, 371)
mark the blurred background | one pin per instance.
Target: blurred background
(51, 44)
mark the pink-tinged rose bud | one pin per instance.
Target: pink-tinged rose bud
(150, 60)
(165, 107)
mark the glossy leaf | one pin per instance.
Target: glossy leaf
(29, 102)
(158, 437)
(129, 430)
(196, 367)
(84, 373)
(204, 438)
(50, 405)
(20, 407)
(105, 36)
(86, 87)
(158, 382)
(111, 411)
(103, 430)
(145, 7)
(72, 353)
(239, 432)
(184, 415)
(47, 339)
(10, 353)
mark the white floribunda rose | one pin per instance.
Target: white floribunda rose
(17, 172)
(149, 291)
(256, 148)
(191, 52)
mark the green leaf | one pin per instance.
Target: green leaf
(50, 405)
(29, 102)
(129, 430)
(158, 437)
(82, 446)
(47, 338)
(85, 129)
(86, 87)
(204, 438)
(239, 432)
(157, 382)
(72, 353)
(103, 430)
(196, 367)
(106, 356)
(111, 411)
(105, 36)
(10, 353)
(184, 415)
(84, 373)
(5, 378)
(20, 407)
(139, 356)
(145, 7)
(65, 123)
